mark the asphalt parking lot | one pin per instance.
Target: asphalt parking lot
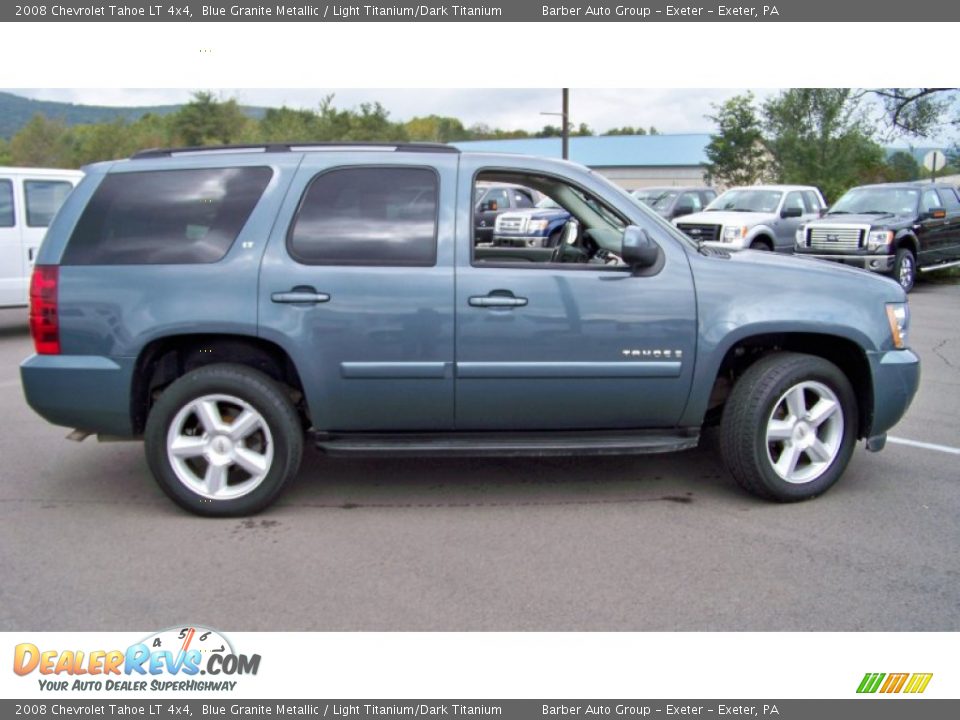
(88, 542)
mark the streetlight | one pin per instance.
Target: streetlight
(565, 128)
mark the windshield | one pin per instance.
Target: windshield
(547, 203)
(877, 201)
(747, 201)
(647, 195)
(663, 200)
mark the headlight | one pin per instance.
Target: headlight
(898, 315)
(734, 232)
(801, 236)
(879, 238)
(537, 225)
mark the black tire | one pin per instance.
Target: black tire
(750, 412)
(905, 269)
(761, 245)
(277, 438)
(554, 239)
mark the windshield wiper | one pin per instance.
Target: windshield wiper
(877, 212)
(838, 212)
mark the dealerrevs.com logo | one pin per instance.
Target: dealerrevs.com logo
(172, 659)
(894, 683)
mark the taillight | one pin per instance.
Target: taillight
(44, 321)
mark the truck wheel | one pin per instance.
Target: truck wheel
(905, 269)
(761, 245)
(789, 427)
(223, 440)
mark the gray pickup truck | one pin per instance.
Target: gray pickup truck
(227, 304)
(759, 217)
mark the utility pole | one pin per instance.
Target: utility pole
(565, 120)
(566, 123)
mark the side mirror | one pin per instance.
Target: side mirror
(639, 250)
(682, 210)
(791, 212)
(938, 214)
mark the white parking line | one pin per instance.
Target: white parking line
(925, 446)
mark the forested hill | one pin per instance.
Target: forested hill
(16, 111)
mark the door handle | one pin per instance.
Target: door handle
(300, 295)
(497, 301)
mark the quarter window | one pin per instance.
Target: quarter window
(44, 198)
(6, 204)
(368, 216)
(166, 216)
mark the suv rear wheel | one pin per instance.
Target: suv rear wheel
(223, 440)
(789, 427)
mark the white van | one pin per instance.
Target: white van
(29, 198)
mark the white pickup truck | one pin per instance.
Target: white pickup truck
(29, 198)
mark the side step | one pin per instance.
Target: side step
(941, 266)
(514, 444)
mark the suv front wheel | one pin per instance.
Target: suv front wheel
(905, 269)
(789, 427)
(223, 440)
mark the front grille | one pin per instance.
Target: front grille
(835, 238)
(706, 233)
(511, 224)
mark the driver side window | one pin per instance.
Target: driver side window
(566, 225)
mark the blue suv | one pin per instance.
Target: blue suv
(227, 304)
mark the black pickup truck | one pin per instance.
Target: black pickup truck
(895, 228)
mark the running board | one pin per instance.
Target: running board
(502, 444)
(941, 266)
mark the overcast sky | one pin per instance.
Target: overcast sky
(669, 110)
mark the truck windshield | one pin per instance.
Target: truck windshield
(747, 201)
(663, 200)
(877, 201)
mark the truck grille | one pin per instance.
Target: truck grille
(835, 238)
(708, 233)
(511, 224)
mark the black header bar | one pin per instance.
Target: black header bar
(854, 11)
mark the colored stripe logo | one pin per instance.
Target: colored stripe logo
(894, 683)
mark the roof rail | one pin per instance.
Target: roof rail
(296, 147)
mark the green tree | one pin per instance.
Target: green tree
(43, 143)
(549, 131)
(902, 167)
(737, 153)
(208, 121)
(820, 136)
(626, 130)
(289, 125)
(6, 158)
(920, 112)
(434, 128)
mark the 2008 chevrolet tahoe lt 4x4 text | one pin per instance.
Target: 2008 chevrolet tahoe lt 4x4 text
(227, 304)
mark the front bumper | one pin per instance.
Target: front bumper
(88, 392)
(876, 263)
(896, 377)
(520, 240)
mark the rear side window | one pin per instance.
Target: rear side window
(368, 216)
(44, 198)
(813, 203)
(949, 198)
(166, 216)
(6, 204)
